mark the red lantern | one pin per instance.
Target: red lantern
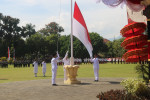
(135, 42)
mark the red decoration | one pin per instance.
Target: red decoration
(136, 58)
(136, 52)
(135, 1)
(135, 42)
(134, 39)
(133, 29)
(136, 45)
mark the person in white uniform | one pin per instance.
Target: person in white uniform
(95, 67)
(35, 63)
(44, 68)
(54, 67)
(66, 62)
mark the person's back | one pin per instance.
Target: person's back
(66, 62)
(54, 67)
(54, 62)
(44, 68)
(35, 63)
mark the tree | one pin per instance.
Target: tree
(117, 49)
(64, 44)
(36, 45)
(51, 44)
(110, 52)
(51, 28)
(20, 48)
(28, 30)
(99, 47)
(10, 29)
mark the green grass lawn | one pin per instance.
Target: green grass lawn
(106, 70)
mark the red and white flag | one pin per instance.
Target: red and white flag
(80, 30)
(8, 54)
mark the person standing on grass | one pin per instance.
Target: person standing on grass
(95, 67)
(54, 67)
(35, 64)
(66, 62)
(44, 68)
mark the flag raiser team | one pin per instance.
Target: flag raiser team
(66, 61)
(81, 32)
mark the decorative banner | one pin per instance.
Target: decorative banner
(134, 39)
(135, 42)
(136, 16)
(133, 29)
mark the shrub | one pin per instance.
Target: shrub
(117, 95)
(3, 58)
(136, 87)
(143, 71)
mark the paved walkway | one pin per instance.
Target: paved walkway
(42, 89)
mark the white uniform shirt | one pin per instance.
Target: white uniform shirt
(66, 61)
(95, 62)
(35, 67)
(44, 66)
(54, 62)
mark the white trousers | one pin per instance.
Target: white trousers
(65, 75)
(44, 71)
(54, 71)
(96, 72)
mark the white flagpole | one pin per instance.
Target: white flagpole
(71, 36)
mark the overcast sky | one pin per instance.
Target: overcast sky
(99, 18)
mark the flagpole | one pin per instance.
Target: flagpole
(71, 36)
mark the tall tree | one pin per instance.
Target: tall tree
(117, 49)
(28, 30)
(51, 28)
(35, 45)
(98, 43)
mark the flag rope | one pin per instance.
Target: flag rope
(58, 24)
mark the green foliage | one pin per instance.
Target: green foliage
(36, 45)
(115, 49)
(136, 87)
(11, 35)
(3, 58)
(28, 30)
(27, 42)
(51, 28)
(116, 95)
(143, 71)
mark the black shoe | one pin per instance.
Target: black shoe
(54, 84)
(95, 80)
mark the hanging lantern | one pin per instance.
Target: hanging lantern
(135, 42)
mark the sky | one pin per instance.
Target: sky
(104, 20)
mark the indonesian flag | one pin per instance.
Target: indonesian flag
(80, 30)
(8, 54)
